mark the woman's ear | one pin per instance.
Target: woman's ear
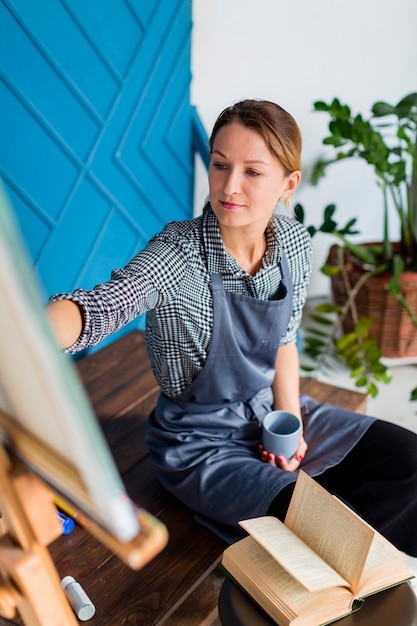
(292, 182)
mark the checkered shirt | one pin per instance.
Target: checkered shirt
(170, 281)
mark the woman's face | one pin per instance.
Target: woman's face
(245, 179)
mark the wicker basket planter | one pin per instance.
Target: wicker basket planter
(392, 327)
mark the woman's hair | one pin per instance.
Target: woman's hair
(277, 127)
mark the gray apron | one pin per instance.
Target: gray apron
(204, 443)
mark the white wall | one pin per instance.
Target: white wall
(299, 51)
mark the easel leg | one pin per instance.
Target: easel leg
(31, 582)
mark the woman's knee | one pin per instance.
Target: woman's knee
(398, 446)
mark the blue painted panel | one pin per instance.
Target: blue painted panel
(42, 90)
(200, 139)
(68, 50)
(96, 129)
(144, 10)
(113, 30)
(30, 222)
(31, 158)
(74, 238)
(116, 241)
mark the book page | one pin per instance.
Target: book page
(330, 528)
(292, 554)
(266, 578)
(384, 566)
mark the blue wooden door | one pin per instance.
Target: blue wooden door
(96, 129)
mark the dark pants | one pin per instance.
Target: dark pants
(378, 479)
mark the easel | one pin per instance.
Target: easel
(29, 581)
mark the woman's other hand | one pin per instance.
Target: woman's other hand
(280, 461)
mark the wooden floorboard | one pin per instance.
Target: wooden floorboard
(323, 392)
(200, 607)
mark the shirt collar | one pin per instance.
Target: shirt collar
(219, 261)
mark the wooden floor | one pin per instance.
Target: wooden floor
(180, 586)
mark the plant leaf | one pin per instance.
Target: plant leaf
(315, 331)
(361, 381)
(345, 341)
(299, 213)
(380, 109)
(320, 106)
(362, 253)
(321, 320)
(327, 307)
(330, 270)
(313, 342)
(372, 390)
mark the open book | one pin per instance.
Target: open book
(319, 565)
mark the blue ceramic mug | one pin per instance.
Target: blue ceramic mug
(281, 433)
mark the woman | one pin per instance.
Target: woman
(222, 293)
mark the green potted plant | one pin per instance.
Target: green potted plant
(374, 285)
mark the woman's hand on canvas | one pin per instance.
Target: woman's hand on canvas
(66, 319)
